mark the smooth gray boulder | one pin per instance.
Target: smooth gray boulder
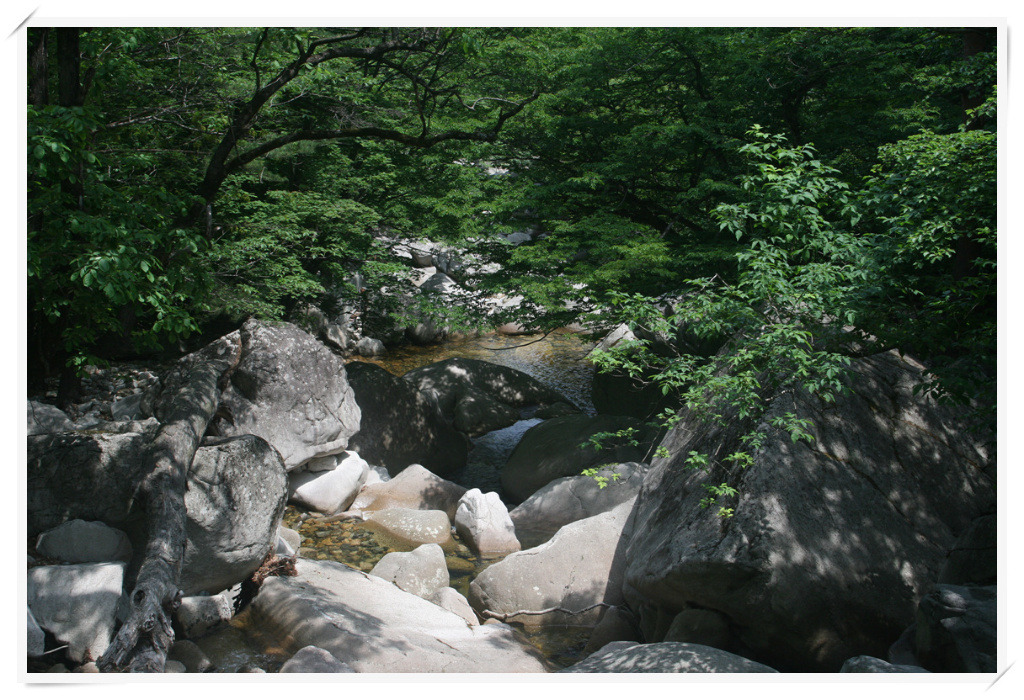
(422, 571)
(869, 664)
(453, 601)
(44, 418)
(197, 615)
(413, 526)
(832, 543)
(439, 282)
(329, 492)
(379, 628)
(956, 629)
(237, 489)
(665, 657)
(414, 487)
(616, 625)
(313, 659)
(400, 426)
(80, 541)
(127, 407)
(483, 522)
(697, 626)
(289, 389)
(568, 580)
(189, 655)
(77, 604)
(450, 380)
(288, 542)
(573, 498)
(36, 643)
(555, 448)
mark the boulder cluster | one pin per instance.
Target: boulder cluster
(870, 549)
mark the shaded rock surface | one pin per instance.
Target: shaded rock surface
(579, 571)
(400, 426)
(376, 627)
(573, 498)
(553, 449)
(44, 418)
(833, 543)
(289, 389)
(665, 657)
(236, 496)
(79, 541)
(869, 664)
(956, 629)
(973, 560)
(77, 604)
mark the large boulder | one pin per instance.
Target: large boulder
(973, 560)
(569, 580)
(482, 521)
(414, 487)
(236, 496)
(44, 418)
(665, 657)
(400, 426)
(832, 543)
(331, 490)
(869, 664)
(559, 447)
(77, 603)
(449, 381)
(80, 541)
(421, 572)
(378, 628)
(573, 498)
(292, 391)
(477, 413)
(313, 659)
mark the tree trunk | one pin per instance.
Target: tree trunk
(190, 398)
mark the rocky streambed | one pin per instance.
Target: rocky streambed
(386, 559)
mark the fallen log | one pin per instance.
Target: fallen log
(187, 404)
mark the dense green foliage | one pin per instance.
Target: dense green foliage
(186, 175)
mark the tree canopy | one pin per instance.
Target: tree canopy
(799, 194)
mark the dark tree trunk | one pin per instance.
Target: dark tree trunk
(188, 402)
(38, 62)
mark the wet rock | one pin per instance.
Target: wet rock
(414, 487)
(832, 542)
(415, 526)
(329, 492)
(573, 498)
(44, 418)
(235, 499)
(555, 449)
(379, 628)
(313, 659)
(483, 522)
(869, 664)
(290, 390)
(401, 426)
(77, 603)
(665, 657)
(477, 413)
(578, 571)
(421, 572)
(79, 541)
